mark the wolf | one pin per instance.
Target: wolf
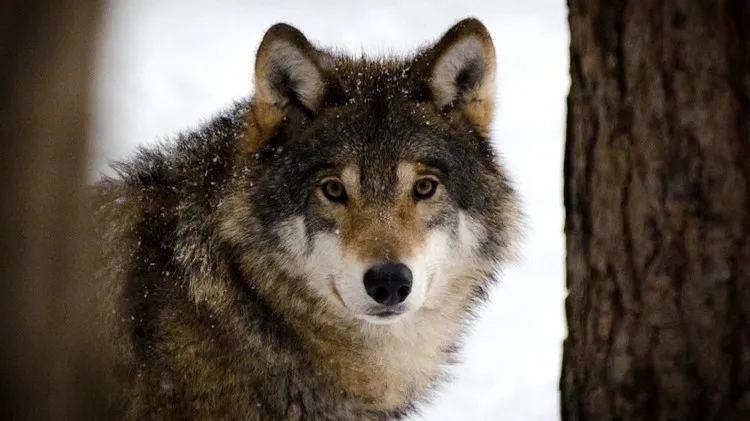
(315, 251)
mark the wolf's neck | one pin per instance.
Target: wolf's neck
(389, 367)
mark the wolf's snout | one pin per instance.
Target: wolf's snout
(388, 283)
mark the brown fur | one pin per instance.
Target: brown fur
(213, 315)
(382, 234)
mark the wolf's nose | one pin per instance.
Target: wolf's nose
(388, 283)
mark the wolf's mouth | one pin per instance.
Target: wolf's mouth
(338, 295)
(388, 312)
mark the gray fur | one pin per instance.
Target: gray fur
(206, 318)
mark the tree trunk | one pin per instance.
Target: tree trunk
(657, 199)
(50, 366)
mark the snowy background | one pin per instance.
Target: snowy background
(168, 65)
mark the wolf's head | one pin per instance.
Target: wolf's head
(373, 181)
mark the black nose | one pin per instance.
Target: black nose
(388, 283)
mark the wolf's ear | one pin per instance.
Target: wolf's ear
(459, 71)
(289, 70)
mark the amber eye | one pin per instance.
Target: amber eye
(425, 188)
(334, 191)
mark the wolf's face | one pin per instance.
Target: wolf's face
(374, 181)
(374, 237)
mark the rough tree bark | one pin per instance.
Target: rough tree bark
(657, 199)
(50, 367)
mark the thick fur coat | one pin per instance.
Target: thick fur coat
(233, 256)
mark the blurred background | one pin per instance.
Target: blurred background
(170, 65)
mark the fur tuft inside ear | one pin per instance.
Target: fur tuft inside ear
(459, 70)
(288, 70)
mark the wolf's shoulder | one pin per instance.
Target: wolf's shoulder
(186, 158)
(165, 182)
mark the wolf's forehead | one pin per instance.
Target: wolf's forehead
(378, 182)
(368, 74)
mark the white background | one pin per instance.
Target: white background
(168, 65)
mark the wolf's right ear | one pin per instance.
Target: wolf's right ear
(289, 70)
(290, 81)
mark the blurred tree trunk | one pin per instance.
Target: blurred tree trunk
(50, 368)
(657, 198)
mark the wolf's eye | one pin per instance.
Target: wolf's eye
(425, 188)
(334, 191)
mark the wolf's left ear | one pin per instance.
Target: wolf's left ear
(459, 71)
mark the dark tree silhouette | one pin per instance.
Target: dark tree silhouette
(657, 198)
(50, 367)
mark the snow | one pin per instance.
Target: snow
(169, 65)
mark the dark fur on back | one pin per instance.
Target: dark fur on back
(206, 322)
